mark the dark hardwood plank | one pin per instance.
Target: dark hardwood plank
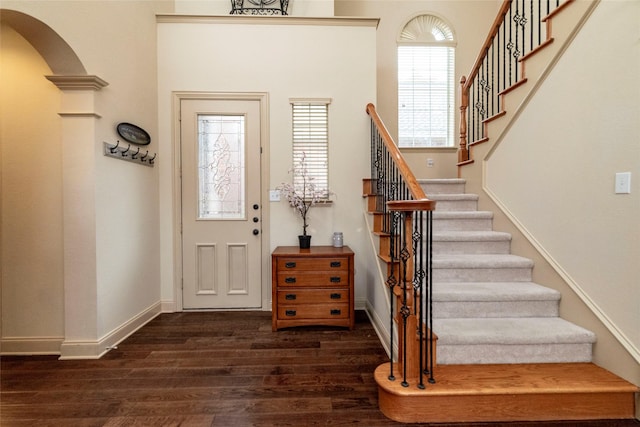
(213, 369)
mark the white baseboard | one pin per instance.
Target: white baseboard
(70, 350)
(378, 325)
(168, 306)
(29, 346)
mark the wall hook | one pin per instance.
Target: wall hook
(114, 149)
(127, 154)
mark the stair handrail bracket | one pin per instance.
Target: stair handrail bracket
(519, 29)
(406, 228)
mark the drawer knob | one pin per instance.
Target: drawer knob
(336, 263)
(290, 297)
(290, 264)
(290, 313)
(336, 296)
(335, 280)
(336, 312)
(289, 280)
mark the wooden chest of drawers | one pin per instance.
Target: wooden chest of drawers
(312, 286)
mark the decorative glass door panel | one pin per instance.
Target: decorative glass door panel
(221, 167)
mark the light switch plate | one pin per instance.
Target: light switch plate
(274, 195)
(623, 183)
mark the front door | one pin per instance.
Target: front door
(221, 206)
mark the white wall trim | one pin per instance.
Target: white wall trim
(378, 326)
(267, 20)
(71, 349)
(23, 346)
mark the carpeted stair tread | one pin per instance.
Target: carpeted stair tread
(462, 215)
(493, 261)
(510, 331)
(441, 186)
(493, 291)
(444, 196)
(475, 236)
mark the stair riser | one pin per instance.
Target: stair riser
(456, 205)
(481, 274)
(484, 309)
(447, 224)
(498, 247)
(443, 188)
(522, 353)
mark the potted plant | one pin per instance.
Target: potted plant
(303, 196)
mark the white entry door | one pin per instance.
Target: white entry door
(221, 206)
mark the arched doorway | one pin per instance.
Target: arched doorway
(43, 283)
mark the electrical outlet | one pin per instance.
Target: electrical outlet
(430, 163)
(623, 183)
(274, 195)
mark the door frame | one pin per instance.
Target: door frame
(265, 261)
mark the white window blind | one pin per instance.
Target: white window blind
(311, 141)
(425, 96)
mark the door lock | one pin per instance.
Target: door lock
(256, 231)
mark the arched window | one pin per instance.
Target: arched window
(426, 87)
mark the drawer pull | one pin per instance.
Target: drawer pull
(336, 296)
(336, 312)
(290, 313)
(336, 263)
(290, 297)
(289, 280)
(290, 264)
(335, 280)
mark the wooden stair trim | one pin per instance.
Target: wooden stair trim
(557, 10)
(519, 392)
(513, 86)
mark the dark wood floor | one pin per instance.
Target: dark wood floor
(212, 369)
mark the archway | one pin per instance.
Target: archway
(76, 125)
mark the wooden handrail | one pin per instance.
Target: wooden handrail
(506, 5)
(412, 183)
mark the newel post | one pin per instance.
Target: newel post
(463, 150)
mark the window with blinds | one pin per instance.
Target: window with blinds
(311, 141)
(426, 86)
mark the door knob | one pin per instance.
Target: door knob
(256, 231)
(255, 219)
(256, 207)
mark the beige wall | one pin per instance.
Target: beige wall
(567, 153)
(32, 264)
(111, 207)
(274, 58)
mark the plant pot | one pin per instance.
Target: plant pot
(305, 241)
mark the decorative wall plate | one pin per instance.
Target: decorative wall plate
(133, 134)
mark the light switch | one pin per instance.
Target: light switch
(623, 183)
(274, 195)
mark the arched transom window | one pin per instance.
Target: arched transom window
(426, 87)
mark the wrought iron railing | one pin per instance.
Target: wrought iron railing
(259, 7)
(520, 28)
(407, 224)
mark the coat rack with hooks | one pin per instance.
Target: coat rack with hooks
(129, 154)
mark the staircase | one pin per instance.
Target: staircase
(486, 308)
(500, 350)
(503, 352)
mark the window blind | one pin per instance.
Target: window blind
(311, 141)
(425, 96)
